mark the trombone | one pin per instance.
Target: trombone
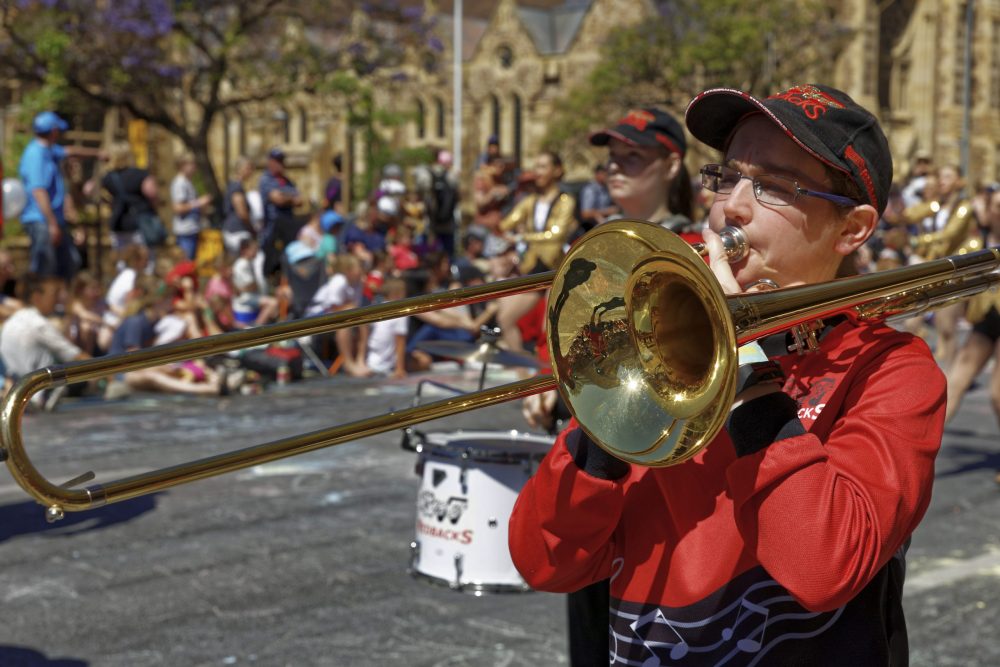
(642, 339)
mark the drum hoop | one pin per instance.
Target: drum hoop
(472, 587)
(446, 446)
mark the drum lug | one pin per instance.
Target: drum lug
(462, 477)
(409, 436)
(414, 554)
(458, 572)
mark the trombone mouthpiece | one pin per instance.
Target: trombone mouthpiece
(734, 241)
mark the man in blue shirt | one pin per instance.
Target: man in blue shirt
(595, 204)
(52, 251)
(280, 197)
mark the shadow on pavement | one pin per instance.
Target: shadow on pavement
(28, 517)
(18, 656)
(965, 458)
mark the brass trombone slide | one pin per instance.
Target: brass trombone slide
(746, 317)
(58, 498)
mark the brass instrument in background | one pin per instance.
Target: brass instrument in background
(642, 339)
(957, 237)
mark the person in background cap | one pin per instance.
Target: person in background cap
(647, 178)
(51, 249)
(318, 234)
(332, 224)
(492, 151)
(280, 197)
(387, 215)
(782, 542)
(472, 250)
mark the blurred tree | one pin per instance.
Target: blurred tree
(179, 64)
(697, 44)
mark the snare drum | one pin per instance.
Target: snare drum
(469, 482)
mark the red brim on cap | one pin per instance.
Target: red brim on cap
(604, 137)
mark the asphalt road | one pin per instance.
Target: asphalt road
(304, 561)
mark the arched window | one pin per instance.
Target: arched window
(303, 125)
(495, 116)
(227, 150)
(421, 119)
(430, 63)
(517, 127)
(283, 129)
(439, 110)
(506, 56)
(241, 128)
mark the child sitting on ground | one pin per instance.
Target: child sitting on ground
(250, 305)
(148, 302)
(342, 291)
(387, 339)
(87, 327)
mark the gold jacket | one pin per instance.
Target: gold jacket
(547, 245)
(980, 304)
(956, 237)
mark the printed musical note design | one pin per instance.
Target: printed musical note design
(748, 643)
(663, 638)
(740, 633)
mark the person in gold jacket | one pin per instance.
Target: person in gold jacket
(543, 220)
(983, 342)
(947, 228)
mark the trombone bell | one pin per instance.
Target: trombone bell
(643, 340)
(647, 382)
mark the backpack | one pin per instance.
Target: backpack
(443, 200)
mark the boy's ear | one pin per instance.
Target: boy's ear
(858, 226)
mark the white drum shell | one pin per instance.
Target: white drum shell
(469, 482)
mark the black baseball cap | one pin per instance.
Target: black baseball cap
(645, 127)
(824, 121)
(276, 154)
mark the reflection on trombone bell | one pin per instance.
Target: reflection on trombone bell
(662, 398)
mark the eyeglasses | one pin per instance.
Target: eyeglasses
(770, 190)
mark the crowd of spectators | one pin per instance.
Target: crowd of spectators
(281, 257)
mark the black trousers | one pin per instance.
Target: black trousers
(587, 608)
(588, 625)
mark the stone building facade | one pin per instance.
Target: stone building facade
(903, 58)
(925, 92)
(517, 64)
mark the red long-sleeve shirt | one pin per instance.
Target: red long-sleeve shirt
(783, 556)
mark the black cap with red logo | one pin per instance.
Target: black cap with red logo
(824, 121)
(645, 127)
